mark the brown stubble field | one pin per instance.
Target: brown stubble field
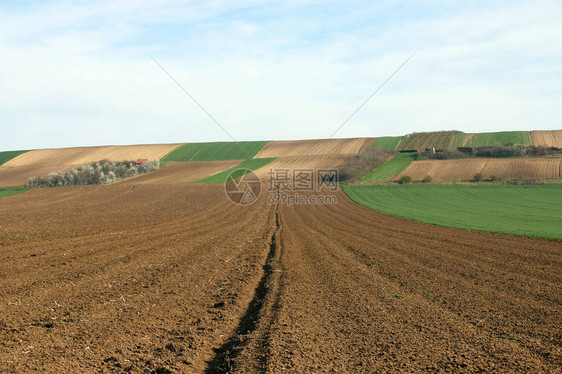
(315, 147)
(171, 278)
(301, 162)
(465, 169)
(81, 155)
(547, 138)
(41, 162)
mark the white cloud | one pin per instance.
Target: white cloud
(79, 75)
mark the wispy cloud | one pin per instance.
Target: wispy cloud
(79, 75)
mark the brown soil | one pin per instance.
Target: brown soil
(464, 169)
(302, 162)
(40, 163)
(164, 278)
(551, 138)
(183, 172)
(79, 156)
(315, 147)
(16, 176)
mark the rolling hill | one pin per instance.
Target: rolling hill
(17, 166)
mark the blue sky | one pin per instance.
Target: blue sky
(77, 73)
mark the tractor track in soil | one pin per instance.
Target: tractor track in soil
(251, 336)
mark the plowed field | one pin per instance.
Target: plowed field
(163, 278)
(183, 172)
(78, 156)
(315, 147)
(16, 176)
(465, 169)
(547, 138)
(302, 162)
(40, 163)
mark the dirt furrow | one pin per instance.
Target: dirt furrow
(247, 349)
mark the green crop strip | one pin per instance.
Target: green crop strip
(11, 191)
(217, 151)
(387, 142)
(391, 168)
(493, 138)
(522, 210)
